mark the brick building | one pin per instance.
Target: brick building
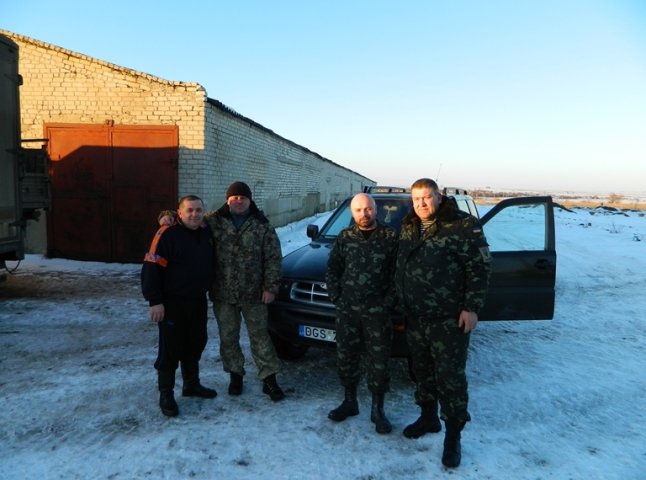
(124, 144)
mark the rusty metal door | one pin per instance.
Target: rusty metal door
(108, 184)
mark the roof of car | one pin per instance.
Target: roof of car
(388, 189)
(385, 189)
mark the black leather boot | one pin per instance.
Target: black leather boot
(428, 422)
(377, 415)
(271, 388)
(166, 383)
(348, 408)
(235, 385)
(192, 386)
(452, 454)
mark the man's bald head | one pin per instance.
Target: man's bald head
(364, 211)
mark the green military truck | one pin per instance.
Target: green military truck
(24, 179)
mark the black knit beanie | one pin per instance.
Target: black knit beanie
(239, 189)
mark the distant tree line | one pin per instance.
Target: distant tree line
(477, 193)
(496, 194)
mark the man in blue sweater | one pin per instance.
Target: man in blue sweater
(176, 274)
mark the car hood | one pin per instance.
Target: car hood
(307, 263)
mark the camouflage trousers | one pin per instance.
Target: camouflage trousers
(439, 350)
(229, 319)
(370, 330)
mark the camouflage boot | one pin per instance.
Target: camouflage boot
(271, 388)
(377, 415)
(348, 408)
(428, 422)
(452, 454)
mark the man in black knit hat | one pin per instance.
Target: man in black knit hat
(247, 273)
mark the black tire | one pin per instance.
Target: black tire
(286, 350)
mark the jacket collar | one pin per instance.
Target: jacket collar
(447, 211)
(254, 211)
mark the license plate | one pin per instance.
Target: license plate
(324, 334)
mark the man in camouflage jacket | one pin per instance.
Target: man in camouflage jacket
(247, 277)
(442, 274)
(359, 282)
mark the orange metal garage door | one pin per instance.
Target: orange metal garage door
(108, 185)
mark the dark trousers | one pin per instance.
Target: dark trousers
(182, 334)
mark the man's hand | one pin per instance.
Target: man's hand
(468, 320)
(267, 297)
(157, 313)
(166, 220)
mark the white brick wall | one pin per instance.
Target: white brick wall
(216, 145)
(284, 177)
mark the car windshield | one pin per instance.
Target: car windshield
(390, 211)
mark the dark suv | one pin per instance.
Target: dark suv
(520, 232)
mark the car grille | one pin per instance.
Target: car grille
(311, 293)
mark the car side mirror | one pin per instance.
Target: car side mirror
(312, 231)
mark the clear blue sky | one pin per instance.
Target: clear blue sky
(537, 94)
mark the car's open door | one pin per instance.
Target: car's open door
(521, 237)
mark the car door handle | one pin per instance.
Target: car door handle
(542, 264)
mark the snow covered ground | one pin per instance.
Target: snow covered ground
(560, 399)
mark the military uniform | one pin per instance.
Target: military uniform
(359, 283)
(440, 273)
(247, 262)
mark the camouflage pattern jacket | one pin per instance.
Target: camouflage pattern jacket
(247, 260)
(447, 269)
(359, 271)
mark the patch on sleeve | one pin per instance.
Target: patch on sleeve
(486, 255)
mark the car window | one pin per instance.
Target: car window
(341, 219)
(466, 204)
(463, 205)
(390, 211)
(473, 208)
(517, 228)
